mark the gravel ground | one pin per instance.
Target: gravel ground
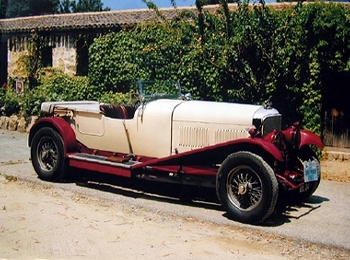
(43, 222)
(40, 220)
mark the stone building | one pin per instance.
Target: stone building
(66, 37)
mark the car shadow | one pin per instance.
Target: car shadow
(286, 209)
(193, 196)
(157, 191)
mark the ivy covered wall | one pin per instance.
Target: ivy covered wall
(252, 54)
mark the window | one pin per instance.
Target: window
(47, 57)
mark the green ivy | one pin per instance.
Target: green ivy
(252, 54)
(249, 55)
(10, 102)
(54, 85)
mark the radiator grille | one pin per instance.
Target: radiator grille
(271, 123)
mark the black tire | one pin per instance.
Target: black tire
(247, 187)
(47, 154)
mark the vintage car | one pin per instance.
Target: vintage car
(237, 149)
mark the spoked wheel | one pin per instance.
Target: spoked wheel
(247, 187)
(47, 154)
(244, 188)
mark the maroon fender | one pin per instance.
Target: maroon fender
(217, 152)
(266, 145)
(61, 126)
(307, 137)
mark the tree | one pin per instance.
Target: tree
(214, 2)
(40, 7)
(3, 5)
(88, 6)
(17, 8)
(20, 8)
(64, 6)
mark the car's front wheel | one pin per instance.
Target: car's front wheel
(305, 154)
(47, 155)
(246, 187)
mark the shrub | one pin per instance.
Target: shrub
(249, 55)
(9, 101)
(54, 85)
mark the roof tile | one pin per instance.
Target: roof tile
(82, 20)
(106, 19)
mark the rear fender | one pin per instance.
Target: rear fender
(61, 126)
(309, 138)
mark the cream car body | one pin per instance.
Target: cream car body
(162, 127)
(237, 149)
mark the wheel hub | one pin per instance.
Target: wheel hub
(45, 155)
(243, 188)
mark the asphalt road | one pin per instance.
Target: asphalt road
(324, 219)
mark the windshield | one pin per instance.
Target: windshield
(159, 89)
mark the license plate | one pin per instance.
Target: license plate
(311, 170)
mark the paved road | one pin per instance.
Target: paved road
(324, 219)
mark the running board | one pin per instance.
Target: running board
(102, 160)
(102, 163)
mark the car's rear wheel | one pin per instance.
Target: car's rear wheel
(47, 154)
(247, 187)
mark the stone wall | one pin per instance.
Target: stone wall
(15, 123)
(64, 54)
(13, 70)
